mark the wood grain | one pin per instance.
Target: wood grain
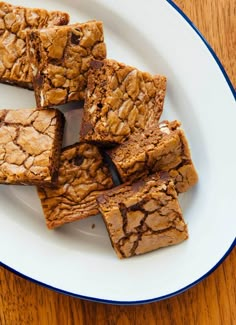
(213, 301)
(216, 20)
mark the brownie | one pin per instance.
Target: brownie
(162, 148)
(60, 58)
(14, 22)
(143, 216)
(120, 100)
(82, 176)
(30, 145)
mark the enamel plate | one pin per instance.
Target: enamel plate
(78, 259)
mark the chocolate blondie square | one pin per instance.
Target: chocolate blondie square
(14, 22)
(30, 145)
(60, 58)
(143, 216)
(82, 176)
(120, 100)
(162, 148)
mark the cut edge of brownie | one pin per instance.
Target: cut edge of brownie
(141, 140)
(133, 187)
(183, 172)
(81, 214)
(57, 146)
(160, 82)
(34, 52)
(20, 84)
(97, 69)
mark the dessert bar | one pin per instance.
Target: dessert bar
(82, 176)
(162, 148)
(60, 58)
(30, 145)
(14, 22)
(143, 216)
(120, 100)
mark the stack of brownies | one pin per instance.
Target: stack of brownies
(122, 108)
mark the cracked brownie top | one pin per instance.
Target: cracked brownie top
(30, 145)
(143, 216)
(120, 100)
(82, 176)
(14, 22)
(60, 58)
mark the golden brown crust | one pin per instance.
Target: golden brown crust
(82, 176)
(120, 100)
(60, 58)
(14, 22)
(163, 148)
(30, 145)
(143, 216)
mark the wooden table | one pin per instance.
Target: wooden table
(211, 302)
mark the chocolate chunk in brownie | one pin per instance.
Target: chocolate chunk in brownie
(162, 148)
(120, 100)
(14, 22)
(143, 216)
(30, 146)
(60, 58)
(83, 175)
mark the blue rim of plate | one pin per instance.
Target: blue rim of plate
(139, 302)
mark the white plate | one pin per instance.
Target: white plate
(78, 259)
